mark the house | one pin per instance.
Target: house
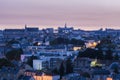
(40, 64)
(46, 77)
(39, 75)
(65, 29)
(31, 31)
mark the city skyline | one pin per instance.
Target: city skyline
(83, 14)
(56, 27)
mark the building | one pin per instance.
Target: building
(65, 29)
(38, 75)
(13, 33)
(32, 32)
(46, 77)
(40, 64)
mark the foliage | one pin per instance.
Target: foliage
(14, 54)
(86, 74)
(116, 71)
(5, 62)
(106, 42)
(9, 43)
(116, 57)
(109, 55)
(61, 40)
(92, 53)
(61, 70)
(69, 67)
(77, 42)
(55, 71)
(30, 60)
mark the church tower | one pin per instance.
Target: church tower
(65, 25)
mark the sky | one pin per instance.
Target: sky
(83, 14)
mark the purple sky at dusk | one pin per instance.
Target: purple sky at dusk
(84, 14)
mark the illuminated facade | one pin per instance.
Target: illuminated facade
(95, 63)
(44, 77)
(109, 78)
(76, 48)
(91, 44)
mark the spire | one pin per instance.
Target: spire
(65, 25)
(25, 26)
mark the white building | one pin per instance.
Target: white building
(37, 64)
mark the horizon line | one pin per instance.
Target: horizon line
(86, 28)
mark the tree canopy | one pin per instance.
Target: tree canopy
(13, 41)
(30, 60)
(61, 40)
(14, 54)
(106, 42)
(62, 70)
(92, 53)
(5, 62)
(69, 66)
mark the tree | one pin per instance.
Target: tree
(5, 62)
(14, 54)
(69, 67)
(30, 60)
(9, 43)
(116, 71)
(116, 57)
(77, 42)
(109, 55)
(106, 42)
(60, 40)
(92, 53)
(61, 70)
(86, 74)
(55, 71)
